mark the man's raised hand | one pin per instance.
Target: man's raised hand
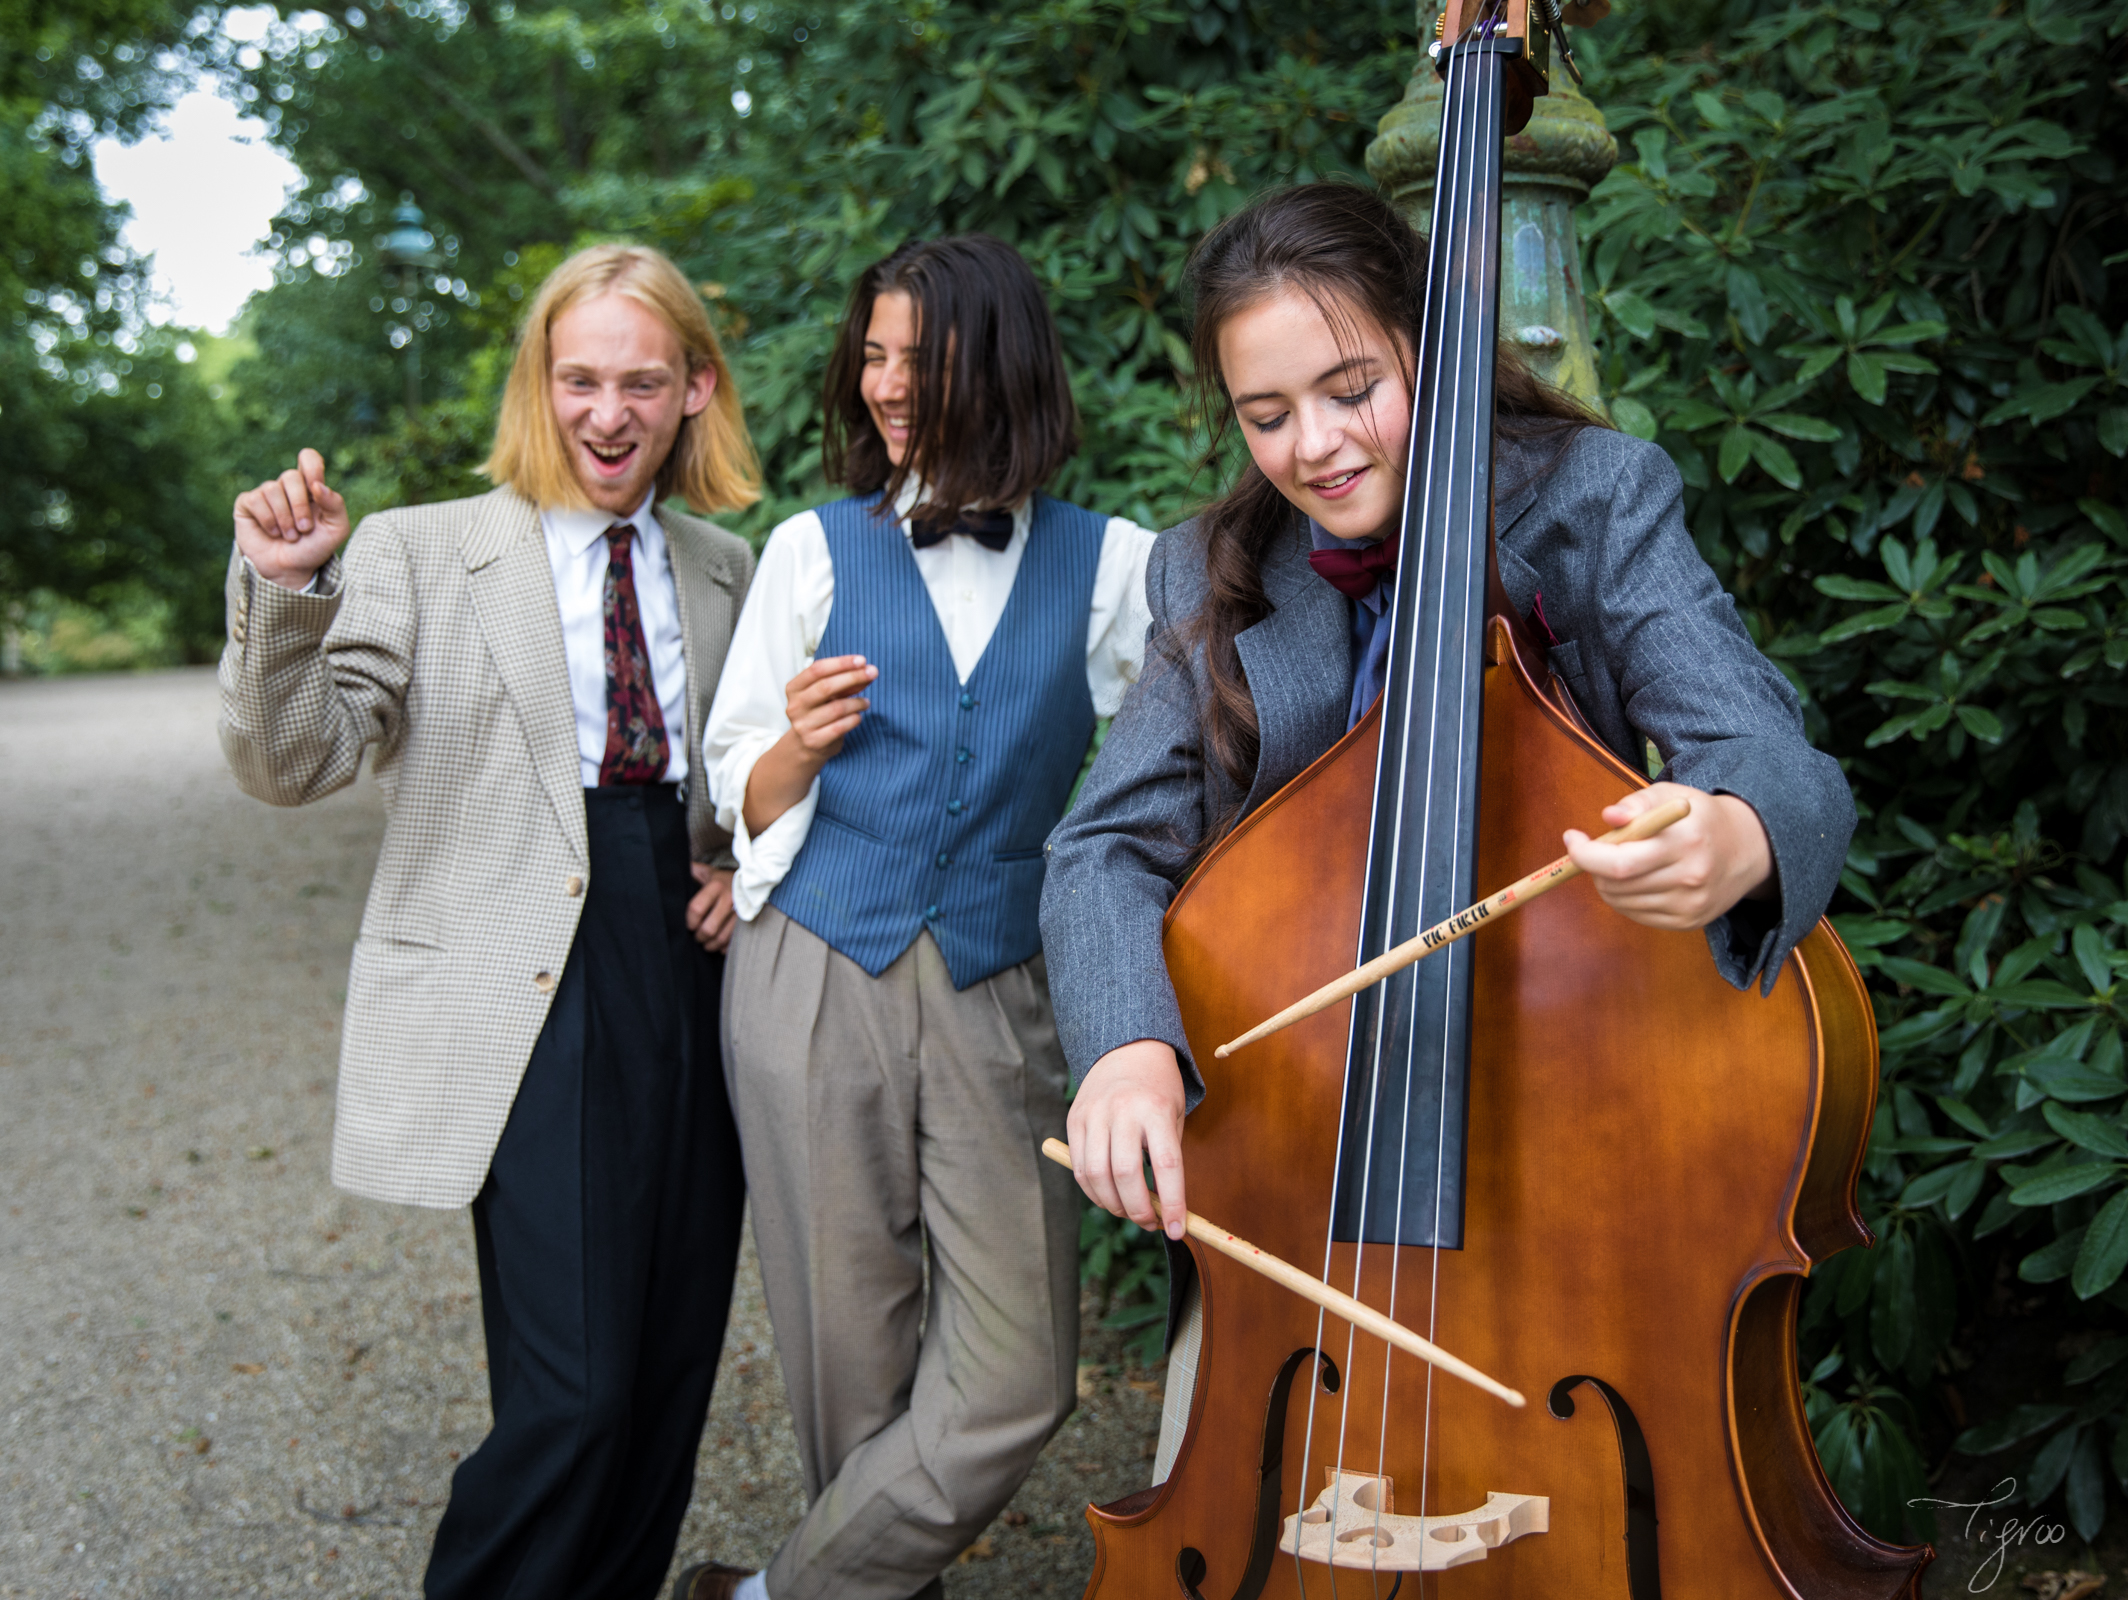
(288, 527)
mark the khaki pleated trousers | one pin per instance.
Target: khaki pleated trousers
(889, 1122)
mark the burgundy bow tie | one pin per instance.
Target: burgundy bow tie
(1356, 572)
(990, 529)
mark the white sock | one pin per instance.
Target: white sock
(753, 1588)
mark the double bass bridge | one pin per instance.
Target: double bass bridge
(1353, 1523)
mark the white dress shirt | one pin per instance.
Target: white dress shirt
(577, 551)
(786, 612)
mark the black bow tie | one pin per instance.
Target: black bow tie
(990, 529)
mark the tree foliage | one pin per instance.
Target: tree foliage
(106, 441)
(1862, 276)
(775, 152)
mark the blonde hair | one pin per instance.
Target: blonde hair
(712, 466)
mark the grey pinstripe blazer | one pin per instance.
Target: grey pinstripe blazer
(439, 643)
(1649, 644)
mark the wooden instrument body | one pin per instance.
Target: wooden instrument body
(1654, 1160)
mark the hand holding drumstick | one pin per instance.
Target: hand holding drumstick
(1644, 826)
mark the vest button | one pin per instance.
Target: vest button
(953, 808)
(967, 701)
(944, 860)
(961, 754)
(930, 913)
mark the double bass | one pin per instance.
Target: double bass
(1563, 1149)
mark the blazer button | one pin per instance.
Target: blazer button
(544, 983)
(236, 631)
(574, 887)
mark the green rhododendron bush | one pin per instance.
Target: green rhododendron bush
(1864, 274)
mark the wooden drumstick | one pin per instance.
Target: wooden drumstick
(1356, 1312)
(1467, 921)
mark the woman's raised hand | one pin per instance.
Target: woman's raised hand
(1691, 872)
(823, 704)
(288, 527)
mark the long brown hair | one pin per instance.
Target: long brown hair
(712, 465)
(1350, 252)
(994, 417)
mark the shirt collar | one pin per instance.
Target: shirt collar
(579, 528)
(1323, 539)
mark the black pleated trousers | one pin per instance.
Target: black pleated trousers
(607, 1233)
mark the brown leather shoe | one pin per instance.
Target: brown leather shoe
(711, 1580)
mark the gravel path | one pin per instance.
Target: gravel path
(218, 1375)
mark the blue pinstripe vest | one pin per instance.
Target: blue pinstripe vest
(935, 812)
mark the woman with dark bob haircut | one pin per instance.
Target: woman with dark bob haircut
(910, 693)
(1270, 622)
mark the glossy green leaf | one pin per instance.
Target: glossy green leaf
(2018, 1142)
(1735, 453)
(2084, 1490)
(1633, 417)
(1632, 313)
(2065, 1183)
(2075, 1082)
(2019, 1424)
(1964, 1189)
(1920, 975)
(1867, 374)
(2103, 1135)
(2091, 955)
(1796, 426)
(1981, 723)
(2052, 1262)
(2104, 1252)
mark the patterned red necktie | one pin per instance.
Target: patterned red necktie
(636, 751)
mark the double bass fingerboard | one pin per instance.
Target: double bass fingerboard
(1403, 1135)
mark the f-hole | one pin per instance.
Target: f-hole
(1190, 1566)
(1643, 1571)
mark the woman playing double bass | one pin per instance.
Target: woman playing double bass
(1582, 1151)
(1307, 311)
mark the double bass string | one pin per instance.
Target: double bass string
(1470, 128)
(1464, 115)
(1452, 100)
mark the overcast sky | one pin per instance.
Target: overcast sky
(202, 195)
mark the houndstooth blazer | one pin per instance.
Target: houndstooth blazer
(439, 644)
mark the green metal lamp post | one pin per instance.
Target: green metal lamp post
(409, 254)
(1550, 167)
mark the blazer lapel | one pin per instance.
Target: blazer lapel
(513, 595)
(1299, 665)
(1519, 473)
(708, 595)
(692, 581)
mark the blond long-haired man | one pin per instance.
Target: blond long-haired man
(531, 1019)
